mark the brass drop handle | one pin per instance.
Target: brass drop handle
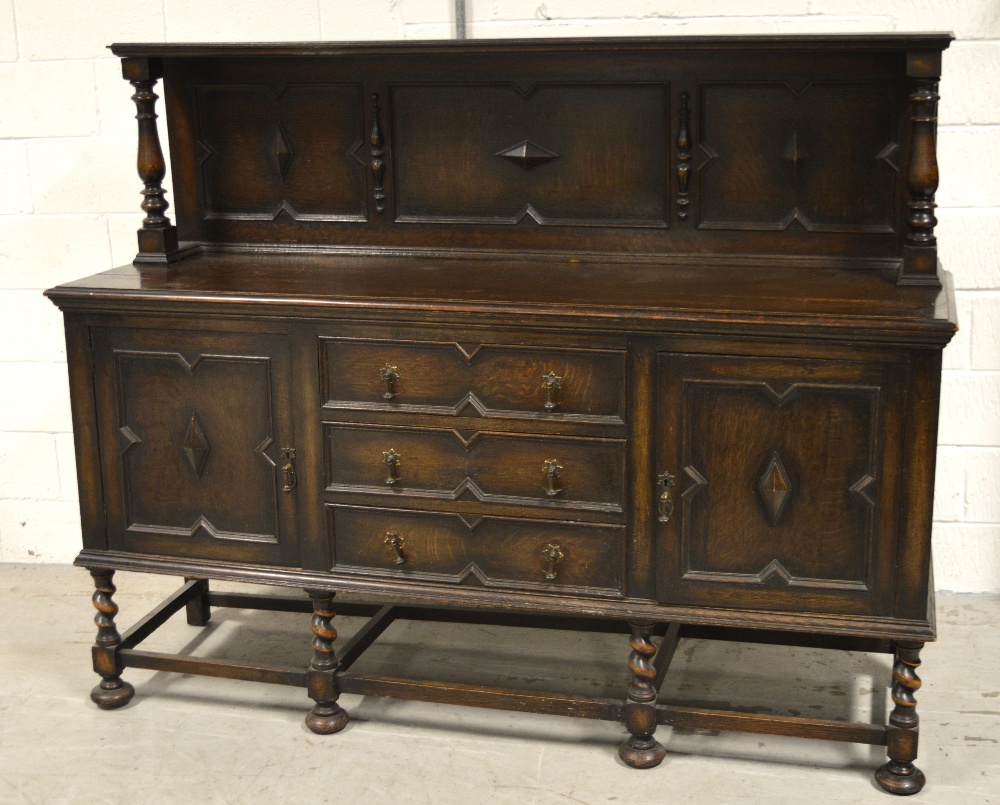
(391, 460)
(389, 377)
(394, 541)
(664, 483)
(552, 470)
(553, 554)
(288, 468)
(551, 383)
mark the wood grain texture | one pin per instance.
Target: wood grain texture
(444, 595)
(232, 391)
(478, 550)
(821, 431)
(860, 42)
(482, 696)
(691, 297)
(480, 465)
(560, 334)
(471, 377)
(698, 718)
(604, 181)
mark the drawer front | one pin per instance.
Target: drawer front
(506, 552)
(475, 465)
(446, 377)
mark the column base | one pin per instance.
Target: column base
(111, 694)
(901, 779)
(645, 756)
(327, 720)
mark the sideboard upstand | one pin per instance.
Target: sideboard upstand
(611, 334)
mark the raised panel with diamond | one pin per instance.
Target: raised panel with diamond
(784, 500)
(519, 154)
(293, 151)
(771, 155)
(191, 438)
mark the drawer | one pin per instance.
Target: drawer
(508, 552)
(582, 473)
(446, 377)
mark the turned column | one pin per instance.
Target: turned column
(641, 750)
(899, 775)
(919, 266)
(327, 716)
(157, 237)
(113, 691)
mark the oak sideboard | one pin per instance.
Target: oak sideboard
(638, 335)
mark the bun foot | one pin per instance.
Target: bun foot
(112, 694)
(642, 757)
(900, 778)
(327, 720)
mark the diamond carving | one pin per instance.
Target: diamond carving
(795, 153)
(775, 489)
(204, 152)
(283, 152)
(196, 447)
(527, 154)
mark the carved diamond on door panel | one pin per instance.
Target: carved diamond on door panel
(196, 446)
(783, 503)
(775, 488)
(283, 152)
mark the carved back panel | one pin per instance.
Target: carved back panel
(796, 149)
(777, 155)
(271, 150)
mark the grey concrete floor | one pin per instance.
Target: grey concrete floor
(196, 740)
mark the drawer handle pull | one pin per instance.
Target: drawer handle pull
(552, 470)
(394, 541)
(391, 461)
(551, 383)
(553, 554)
(664, 483)
(288, 468)
(389, 377)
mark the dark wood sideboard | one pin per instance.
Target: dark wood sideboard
(637, 335)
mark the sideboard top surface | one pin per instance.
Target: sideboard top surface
(880, 41)
(619, 295)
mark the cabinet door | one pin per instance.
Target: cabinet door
(785, 483)
(192, 428)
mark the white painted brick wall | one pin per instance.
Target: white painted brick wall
(58, 30)
(8, 31)
(344, 20)
(969, 245)
(247, 21)
(966, 556)
(83, 174)
(69, 204)
(48, 99)
(15, 179)
(39, 531)
(985, 329)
